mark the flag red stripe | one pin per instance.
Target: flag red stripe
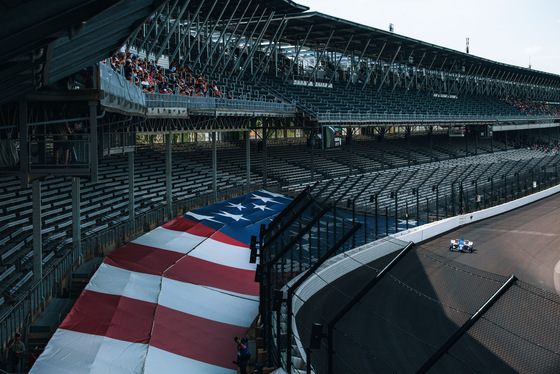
(142, 258)
(174, 332)
(192, 227)
(114, 316)
(197, 271)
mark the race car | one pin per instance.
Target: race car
(461, 245)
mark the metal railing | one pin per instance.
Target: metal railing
(427, 118)
(154, 100)
(45, 150)
(116, 84)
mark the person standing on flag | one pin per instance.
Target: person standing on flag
(242, 354)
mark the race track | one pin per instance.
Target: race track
(524, 242)
(429, 294)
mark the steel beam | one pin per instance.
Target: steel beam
(340, 59)
(255, 46)
(238, 40)
(223, 32)
(320, 56)
(269, 54)
(37, 228)
(359, 61)
(297, 53)
(158, 33)
(199, 29)
(247, 44)
(172, 30)
(373, 66)
(388, 69)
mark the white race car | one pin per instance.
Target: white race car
(461, 245)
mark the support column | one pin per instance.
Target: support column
(248, 158)
(350, 150)
(476, 133)
(431, 138)
(23, 146)
(131, 185)
(37, 228)
(312, 145)
(214, 167)
(264, 136)
(168, 173)
(76, 222)
(94, 144)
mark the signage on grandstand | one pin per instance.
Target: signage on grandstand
(297, 82)
(331, 136)
(446, 96)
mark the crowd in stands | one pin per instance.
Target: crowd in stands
(533, 108)
(152, 78)
(551, 148)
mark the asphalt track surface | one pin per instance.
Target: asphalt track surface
(398, 324)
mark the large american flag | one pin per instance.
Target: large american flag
(170, 301)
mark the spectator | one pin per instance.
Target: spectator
(17, 349)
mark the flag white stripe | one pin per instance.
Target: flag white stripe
(224, 254)
(116, 281)
(170, 240)
(208, 303)
(70, 352)
(160, 361)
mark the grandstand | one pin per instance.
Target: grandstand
(119, 117)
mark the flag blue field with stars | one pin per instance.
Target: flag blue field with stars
(241, 217)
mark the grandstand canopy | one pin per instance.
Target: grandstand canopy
(44, 41)
(350, 36)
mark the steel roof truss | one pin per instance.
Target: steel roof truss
(223, 36)
(209, 35)
(238, 40)
(248, 44)
(230, 38)
(199, 29)
(403, 72)
(158, 33)
(359, 61)
(373, 66)
(172, 30)
(415, 72)
(426, 75)
(271, 47)
(297, 53)
(256, 46)
(187, 30)
(320, 56)
(340, 58)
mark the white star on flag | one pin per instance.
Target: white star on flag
(201, 217)
(264, 199)
(236, 217)
(261, 207)
(238, 206)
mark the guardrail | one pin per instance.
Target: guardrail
(421, 118)
(116, 84)
(154, 100)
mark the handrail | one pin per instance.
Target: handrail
(156, 100)
(427, 118)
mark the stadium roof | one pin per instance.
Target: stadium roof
(45, 41)
(351, 36)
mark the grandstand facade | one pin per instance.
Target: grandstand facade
(118, 117)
